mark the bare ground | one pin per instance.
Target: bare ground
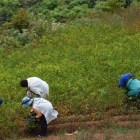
(110, 127)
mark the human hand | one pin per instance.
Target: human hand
(33, 117)
(29, 93)
(30, 113)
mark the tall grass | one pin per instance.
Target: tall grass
(81, 63)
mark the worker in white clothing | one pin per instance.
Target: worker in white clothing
(35, 86)
(44, 110)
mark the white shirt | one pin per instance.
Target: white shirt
(37, 86)
(46, 108)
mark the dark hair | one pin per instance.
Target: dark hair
(24, 83)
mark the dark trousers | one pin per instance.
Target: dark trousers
(43, 124)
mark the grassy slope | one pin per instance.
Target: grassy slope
(82, 65)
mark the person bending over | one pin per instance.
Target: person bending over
(35, 86)
(131, 84)
(44, 110)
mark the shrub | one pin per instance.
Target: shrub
(8, 9)
(111, 5)
(21, 20)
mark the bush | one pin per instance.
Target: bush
(21, 20)
(8, 9)
(111, 5)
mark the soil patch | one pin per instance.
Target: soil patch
(73, 128)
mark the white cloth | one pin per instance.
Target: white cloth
(37, 86)
(46, 108)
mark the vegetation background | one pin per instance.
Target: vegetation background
(79, 47)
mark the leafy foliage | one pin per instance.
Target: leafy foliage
(112, 5)
(7, 9)
(22, 29)
(82, 62)
(59, 10)
(21, 20)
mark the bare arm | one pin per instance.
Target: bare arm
(39, 114)
(31, 111)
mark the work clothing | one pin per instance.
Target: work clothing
(133, 86)
(1, 101)
(43, 124)
(46, 108)
(37, 86)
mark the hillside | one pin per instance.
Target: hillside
(81, 61)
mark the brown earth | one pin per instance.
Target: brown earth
(88, 127)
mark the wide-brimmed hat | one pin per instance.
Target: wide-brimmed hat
(26, 101)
